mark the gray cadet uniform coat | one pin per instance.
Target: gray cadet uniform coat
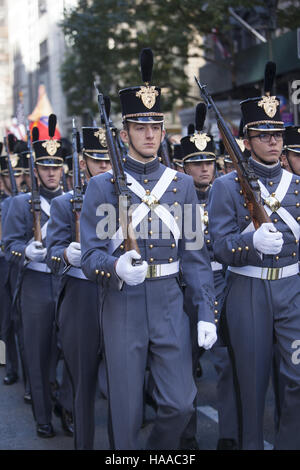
(148, 317)
(77, 318)
(257, 308)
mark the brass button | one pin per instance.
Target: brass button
(121, 247)
(13, 252)
(296, 241)
(151, 246)
(174, 190)
(296, 192)
(206, 232)
(241, 192)
(245, 204)
(216, 321)
(108, 275)
(148, 192)
(170, 260)
(150, 232)
(298, 204)
(239, 248)
(20, 254)
(294, 254)
(236, 178)
(102, 273)
(150, 219)
(207, 241)
(247, 248)
(298, 219)
(275, 221)
(175, 178)
(271, 183)
(151, 260)
(297, 181)
(59, 260)
(233, 250)
(277, 258)
(112, 180)
(97, 272)
(175, 203)
(173, 245)
(216, 312)
(216, 302)
(247, 217)
(146, 181)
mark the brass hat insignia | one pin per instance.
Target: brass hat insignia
(200, 140)
(148, 96)
(269, 103)
(51, 146)
(298, 130)
(101, 136)
(14, 160)
(241, 144)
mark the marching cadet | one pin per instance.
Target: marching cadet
(20, 165)
(10, 275)
(142, 304)
(199, 161)
(291, 151)
(36, 285)
(78, 308)
(263, 285)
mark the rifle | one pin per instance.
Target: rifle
(35, 200)
(13, 184)
(247, 178)
(120, 180)
(164, 151)
(77, 199)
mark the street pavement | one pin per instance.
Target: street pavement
(18, 431)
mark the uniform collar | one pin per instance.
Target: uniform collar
(203, 195)
(48, 194)
(265, 171)
(139, 167)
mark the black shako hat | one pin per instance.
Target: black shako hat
(263, 112)
(17, 156)
(292, 139)
(198, 146)
(142, 103)
(47, 152)
(94, 143)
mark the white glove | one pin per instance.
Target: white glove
(73, 254)
(267, 239)
(132, 275)
(207, 334)
(35, 252)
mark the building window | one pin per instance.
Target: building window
(43, 50)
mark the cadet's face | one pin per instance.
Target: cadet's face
(269, 152)
(96, 167)
(18, 179)
(143, 139)
(202, 172)
(228, 167)
(49, 176)
(294, 159)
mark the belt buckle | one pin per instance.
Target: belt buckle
(152, 271)
(273, 274)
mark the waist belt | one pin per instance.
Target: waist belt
(270, 274)
(159, 270)
(215, 266)
(41, 267)
(76, 272)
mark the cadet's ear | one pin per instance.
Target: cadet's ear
(124, 136)
(247, 144)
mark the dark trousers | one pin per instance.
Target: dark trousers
(79, 336)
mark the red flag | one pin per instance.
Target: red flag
(39, 116)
